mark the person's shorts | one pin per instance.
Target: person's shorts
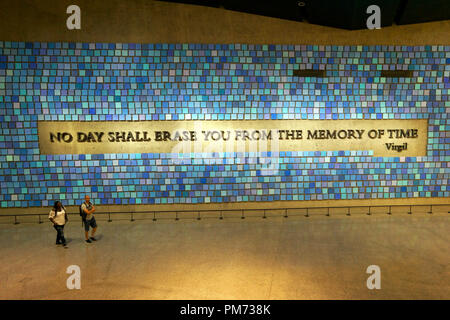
(90, 223)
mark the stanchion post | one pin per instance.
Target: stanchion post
(109, 216)
(390, 210)
(348, 211)
(198, 215)
(328, 211)
(307, 214)
(242, 211)
(154, 215)
(132, 219)
(15, 220)
(264, 216)
(176, 216)
(221, 216)
(368, 213)
(285, 213)
(39, 218)
(431, 209)
(410, 210)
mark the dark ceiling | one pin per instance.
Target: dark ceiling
(346, 14)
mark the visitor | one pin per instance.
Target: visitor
(89, 220)
(58, 216)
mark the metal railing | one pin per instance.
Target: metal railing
(306, 213)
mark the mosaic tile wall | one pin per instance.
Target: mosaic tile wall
(98, 81)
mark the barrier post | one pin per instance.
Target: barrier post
(264, 216)
(132, 219)
(328, 212)
(109, 216)
(242, 211)
(39, 218)
(307, 214)
(15, 220)
(390, 209)
(176, 216)
(348, 211)
(154, 215)
(198, 215)
(410, 210)
(285, 213)
(431, 209)
(368, 213)
(221, 216)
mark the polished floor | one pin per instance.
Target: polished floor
(274, 258)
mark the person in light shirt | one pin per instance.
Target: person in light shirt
(58, 216)
(89, 220)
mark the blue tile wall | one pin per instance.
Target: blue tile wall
(107, 81)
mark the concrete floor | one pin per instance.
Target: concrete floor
(274, 258)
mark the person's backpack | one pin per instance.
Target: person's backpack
(82, 213)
